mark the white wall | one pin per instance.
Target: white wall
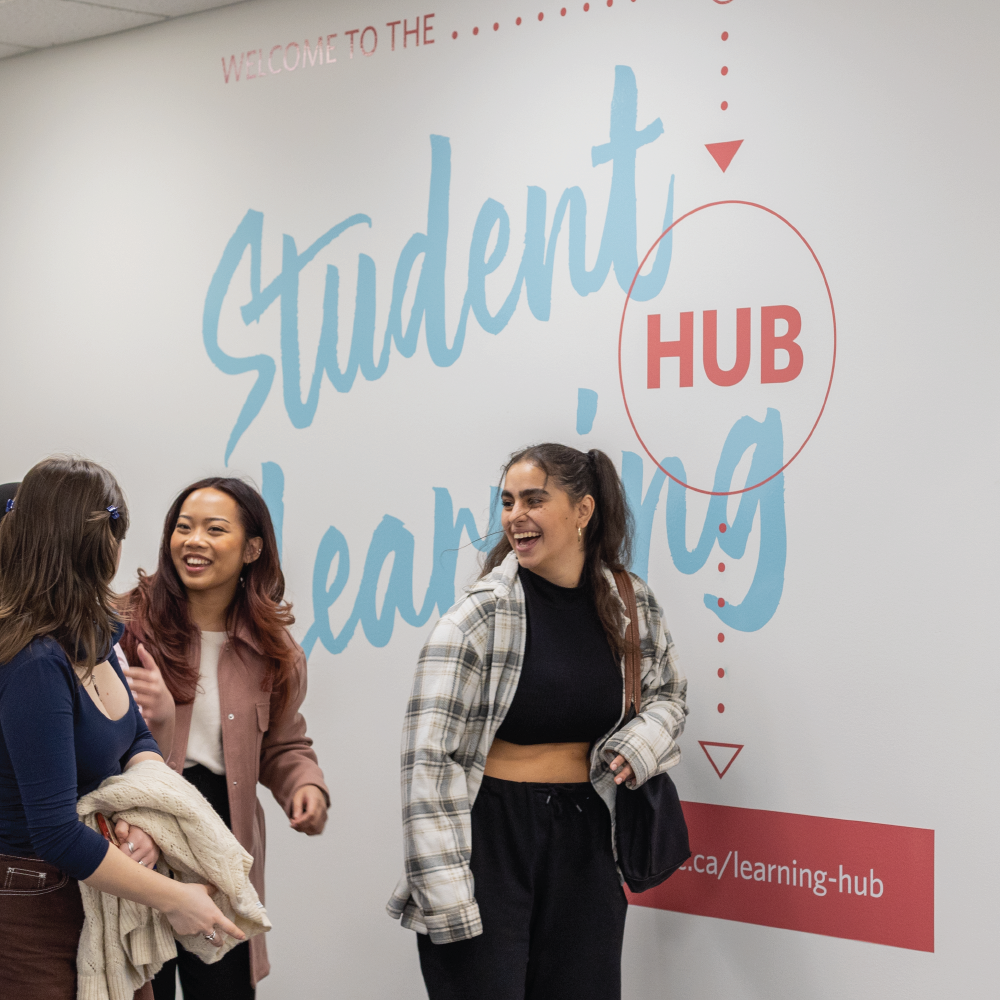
(127, 163)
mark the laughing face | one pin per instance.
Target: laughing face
(208, 546)
(541, 521)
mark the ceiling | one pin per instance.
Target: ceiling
(26, 25)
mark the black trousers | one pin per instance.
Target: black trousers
(228, 979)
(552, 905)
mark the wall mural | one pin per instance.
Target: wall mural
(360, 254)
(738, 271)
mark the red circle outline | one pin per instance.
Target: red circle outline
(621, 331)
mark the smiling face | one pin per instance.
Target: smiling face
(208, 545)
(540, 521)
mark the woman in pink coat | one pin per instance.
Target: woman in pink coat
(220, 681)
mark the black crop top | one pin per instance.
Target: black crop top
(570, 690)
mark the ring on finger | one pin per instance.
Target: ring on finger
(211, 937)
(131, 847)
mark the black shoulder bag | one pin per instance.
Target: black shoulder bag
(651, 833)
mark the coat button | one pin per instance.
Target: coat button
(231, 716)
(234, 782)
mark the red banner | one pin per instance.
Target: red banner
(865, 881)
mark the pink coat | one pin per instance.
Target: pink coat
(257, 745)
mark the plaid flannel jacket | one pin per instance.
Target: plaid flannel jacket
(466, 678)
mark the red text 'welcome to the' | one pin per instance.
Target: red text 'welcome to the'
(254, 64)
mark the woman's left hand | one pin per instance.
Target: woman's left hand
(625, 773)
(308, 810)
(136, 844)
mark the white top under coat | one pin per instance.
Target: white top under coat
(205, 740)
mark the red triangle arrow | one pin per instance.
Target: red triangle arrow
(728, 758)
(723, 152)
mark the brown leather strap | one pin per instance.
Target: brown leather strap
(633, 656)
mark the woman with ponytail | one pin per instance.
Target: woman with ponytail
(220, 681)
(513, 746)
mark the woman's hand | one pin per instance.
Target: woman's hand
(136, 844)
(187, 906)
(308, 810)
(150, 690)
(195, 913)
(625, 773)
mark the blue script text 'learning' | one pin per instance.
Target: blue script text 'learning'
(392, 541)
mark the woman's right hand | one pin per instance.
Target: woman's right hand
(195, 913)
(150, 690)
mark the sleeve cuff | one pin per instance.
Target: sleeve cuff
(636, 751)
(456, 924)
(146, 745)
(84, 857)
(320, 786)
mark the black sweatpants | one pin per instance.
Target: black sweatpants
(552, 906)
(229, 978)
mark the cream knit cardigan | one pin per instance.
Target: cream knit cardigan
(124, 944)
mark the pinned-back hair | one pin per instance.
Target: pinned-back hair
(607, 539)
(58, 556)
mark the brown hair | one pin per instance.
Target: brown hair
(607, 539)
(58, 555)
(158, 607)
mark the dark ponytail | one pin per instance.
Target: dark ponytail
(607, 538)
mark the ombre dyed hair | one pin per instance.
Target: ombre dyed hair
(157, 609)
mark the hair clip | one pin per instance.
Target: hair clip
(113, 511)
(10, 505)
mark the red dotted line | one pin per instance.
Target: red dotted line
(725, 72)
(722, 530)
(541, 17)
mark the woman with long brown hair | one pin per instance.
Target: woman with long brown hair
(68, 722)
(220, 681)
(513, 746)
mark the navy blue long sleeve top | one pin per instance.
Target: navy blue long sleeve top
(55, 746)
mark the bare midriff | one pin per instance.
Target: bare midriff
(549, 762)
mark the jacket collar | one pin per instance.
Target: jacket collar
(502, 579)
(243, 635)
(610, 577)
